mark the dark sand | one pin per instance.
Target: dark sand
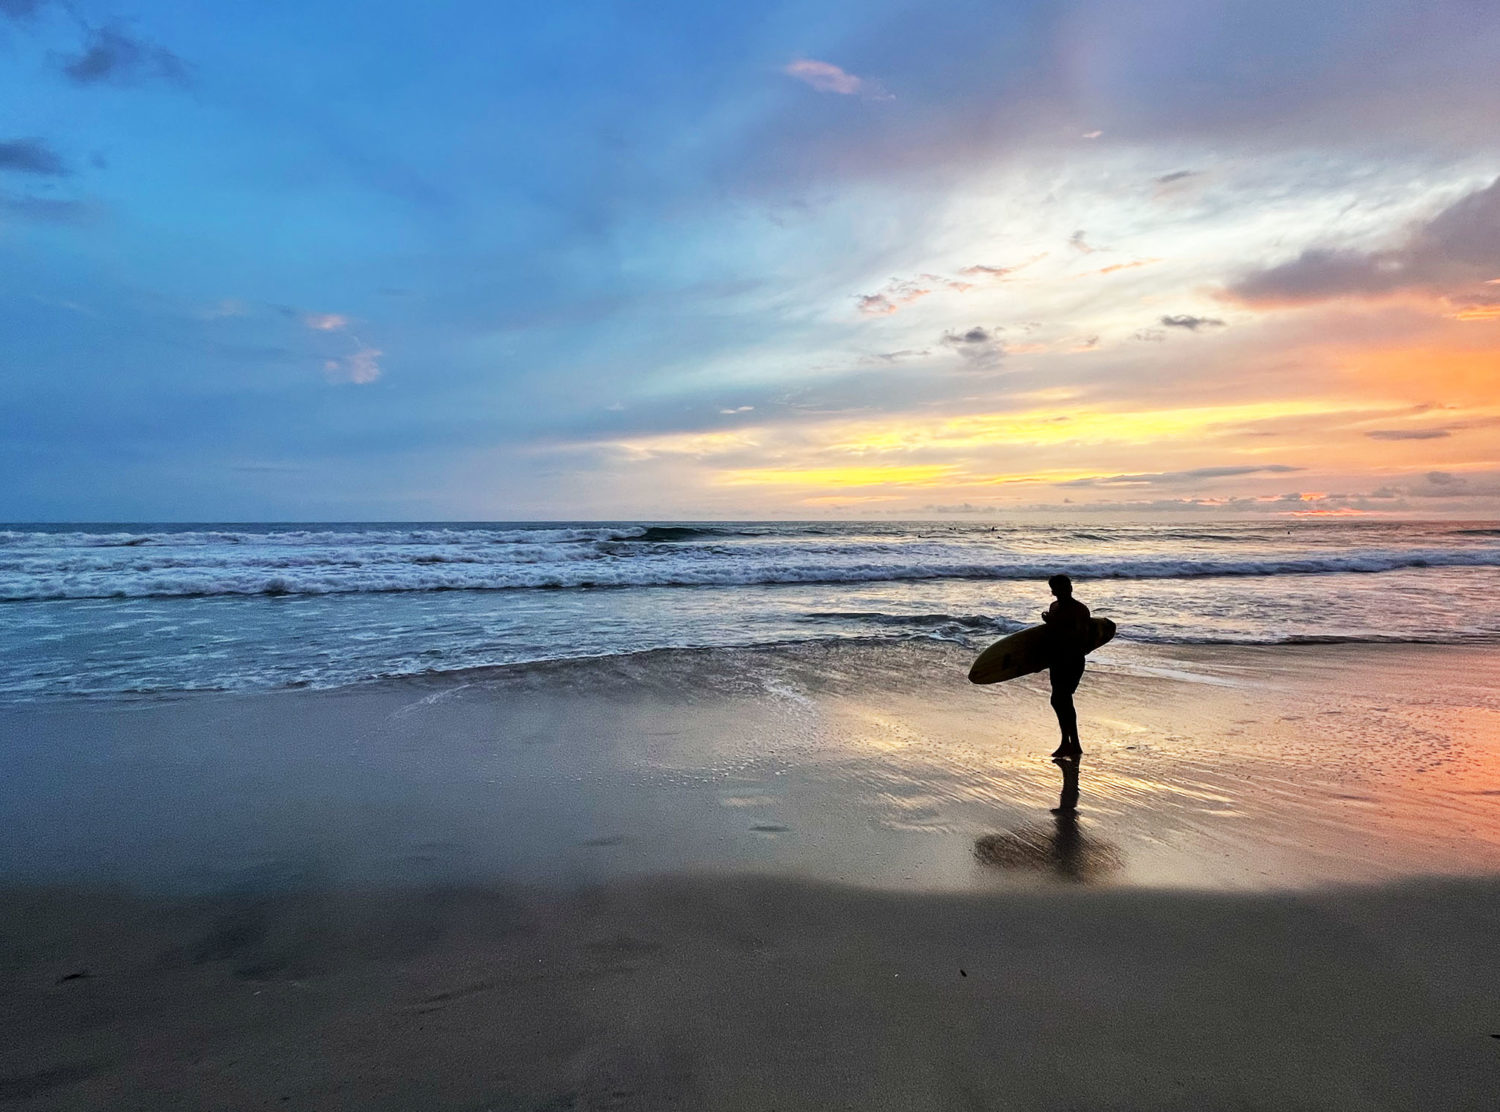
(809, 878)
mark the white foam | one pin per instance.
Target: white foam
(39, 566)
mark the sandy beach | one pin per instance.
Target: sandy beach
(501, 504)
(816, 876)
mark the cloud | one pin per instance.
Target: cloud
(1077, 242)
(901, 292)
(978, 346)
(32, 156)
(1448, 256)
(959, 508)
(112, 57)
(1190, 476)
(48, 209)
(1475, 306)
(1176, 175)
(326, 322)
(1169, 76)
(885, 303)
(825, 77)
(1192, 324)
(983, 272)
(1476, 488)
(979, 270)
(1165, 505)
(1116, 267)
(360, 368)
(1408, 434)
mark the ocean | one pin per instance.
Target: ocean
(139, 609)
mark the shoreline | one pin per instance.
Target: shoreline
(1122, 655)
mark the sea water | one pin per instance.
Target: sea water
(91, 610)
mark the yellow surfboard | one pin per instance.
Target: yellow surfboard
(1029, 651)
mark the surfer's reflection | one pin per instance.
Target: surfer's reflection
(1067, 803)
(1061, 849)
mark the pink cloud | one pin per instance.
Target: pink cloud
(825, 76)
(901, 292)
(982, 272)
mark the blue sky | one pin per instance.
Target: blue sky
(318, 261)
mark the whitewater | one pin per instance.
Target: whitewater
(141, 608)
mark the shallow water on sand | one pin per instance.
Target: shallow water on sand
(874, 765)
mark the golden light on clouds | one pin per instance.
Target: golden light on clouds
(1478, 312)
(1049, 427)
(1042, 447)
(693, 443)
(839, 477)
(1034, 428)
(1131, 390)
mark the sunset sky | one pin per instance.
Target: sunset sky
(304, 260)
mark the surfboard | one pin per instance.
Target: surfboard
(1026, 652)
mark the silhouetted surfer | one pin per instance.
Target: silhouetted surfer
(1068, 619)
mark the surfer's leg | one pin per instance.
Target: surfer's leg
(1062, 706)
(1072, 711)
(1065, 677)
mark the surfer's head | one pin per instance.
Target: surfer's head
(1061, 586)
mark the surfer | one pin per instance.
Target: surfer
(1068, 621)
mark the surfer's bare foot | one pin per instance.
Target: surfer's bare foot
(1067, 752)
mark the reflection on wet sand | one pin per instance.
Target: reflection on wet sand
(1061, 848)
(1068, 801)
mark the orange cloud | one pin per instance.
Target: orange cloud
(1119, 266)
(1477, 312)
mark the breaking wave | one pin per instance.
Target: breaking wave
(326, 564)
(325, 604)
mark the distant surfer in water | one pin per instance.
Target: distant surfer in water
(1068, 621)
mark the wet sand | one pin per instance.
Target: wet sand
(818, 877)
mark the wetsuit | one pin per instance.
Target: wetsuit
(1068, 619)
